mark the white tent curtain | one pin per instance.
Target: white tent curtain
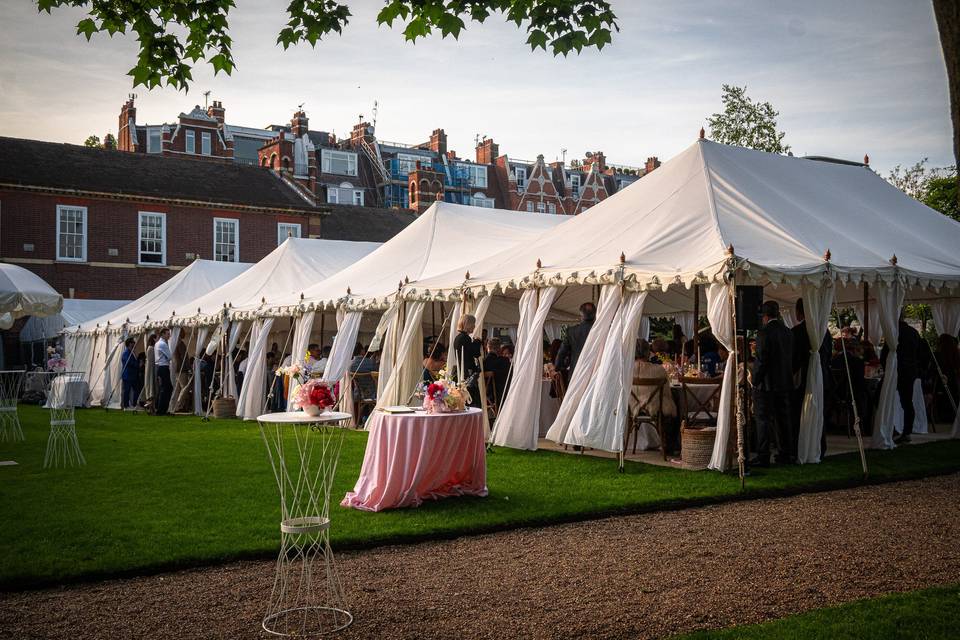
(946, 316)
(719, 314)
(392, 324)
(112, 373)
(298, 353)
(376, 343)
(341, 353)
(517, 425)
(174, 368)
(921, 423)
(687, 325)
(455, 315)
(817, 303)
(645, 327)
(554, 330)
(786, 314)
(198, 352)
(876, 328)
(98, 359)
(480, 313)
(889, 301)
(512, 333)
(600, 419)
(587, 363)
(251, 400)
(409, 359)
(234, 337)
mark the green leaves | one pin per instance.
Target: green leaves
(171, 33)
(745, 123)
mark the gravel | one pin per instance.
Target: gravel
(637, 576)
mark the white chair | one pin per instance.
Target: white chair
(11, 383)
(63, 449)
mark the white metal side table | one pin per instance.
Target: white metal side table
(303, 452)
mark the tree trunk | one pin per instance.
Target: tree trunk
(947, 13)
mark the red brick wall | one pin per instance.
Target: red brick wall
(27, 218)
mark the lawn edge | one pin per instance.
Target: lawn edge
(665, 506)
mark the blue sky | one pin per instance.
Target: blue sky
(848, 78)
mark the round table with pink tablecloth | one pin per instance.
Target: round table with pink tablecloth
(419, 456)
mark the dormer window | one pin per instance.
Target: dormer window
(154, 140)
(521, 173)
(343, 163)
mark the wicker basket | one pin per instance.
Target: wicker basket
(696, 446)
(225, 407)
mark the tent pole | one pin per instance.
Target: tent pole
(696, 324)
(733, 361)
(433, 320)
(865, 320)
(322, 318)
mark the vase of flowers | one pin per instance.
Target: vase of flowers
(314, 396)
(444, 396)
(56, 363)
(299, 373)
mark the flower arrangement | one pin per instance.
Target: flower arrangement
(444, 395)
(314, 396)
(300, 371)
(662, 357)
(57, 363)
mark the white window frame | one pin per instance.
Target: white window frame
(159, 132)
(530, 206)
(163, 238)
(477, 174)
(66, 207)
(283, 229)
(236, 238)
(190, 141)
(327, 155)
(206, 143)
(551, 208)
(521, 182)
(541, 207)
(575, 185)
(407, 162)
(358, 197)
(481, 200)
(333, 195)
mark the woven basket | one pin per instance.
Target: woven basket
(225, 407)
(696, 446)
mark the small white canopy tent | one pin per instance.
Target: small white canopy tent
(92, 347)
(24, 293)
(284, 272)
(444, 236)
(713, 216)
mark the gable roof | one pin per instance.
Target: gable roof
(67, 167)
(369, 224)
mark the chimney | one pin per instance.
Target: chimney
(487, 151)
(652, 163)
(299, 125)
(361, 131)
(126, 135)
(438, 142)
(217, 111)
(598, 159)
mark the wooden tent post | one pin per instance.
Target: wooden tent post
(322, 318)
(865, 320)
(696, 324)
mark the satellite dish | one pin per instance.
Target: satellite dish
(589, 154)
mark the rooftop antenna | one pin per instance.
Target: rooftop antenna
(563, 155)
(300, 106)
(375, 115)
(206, 98)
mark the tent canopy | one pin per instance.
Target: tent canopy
(75, 311)
(447, 236)
(190, 283)
(780, 214)
(284, 273)
(24, 293)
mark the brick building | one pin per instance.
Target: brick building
(105, 224)
(364, 171)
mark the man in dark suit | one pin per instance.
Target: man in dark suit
(908, 370)
(573, 341)
(801, 365)
(773, 383)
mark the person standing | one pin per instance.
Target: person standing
(574, 340)
(164, 358)
(801, 366)
(467, 353)
(148, 397)
(773, 384)
(908, 370)
(129, 371)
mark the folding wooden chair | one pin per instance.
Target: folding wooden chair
(645, 414)
(705, 411)
(364, 393)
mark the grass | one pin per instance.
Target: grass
(928, 614)
(161, 493)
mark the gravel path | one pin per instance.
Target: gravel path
(636, 576)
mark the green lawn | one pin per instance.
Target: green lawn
(929, 614)
(160, 493)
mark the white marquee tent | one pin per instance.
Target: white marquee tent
(93, 346)
(75, 311)
(712, 217)
(24, 293)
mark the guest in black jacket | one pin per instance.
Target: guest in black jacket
(773, 383)
(467, 352)
(574, 340)
(801, 366)
(912, 353)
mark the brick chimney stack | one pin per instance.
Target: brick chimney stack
(299, 125)
(652, 163)
(438, 142)
(361, 131)
(128, 117)
(597, 158)
(217, 111)
(487, 151)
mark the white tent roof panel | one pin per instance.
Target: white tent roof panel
(75, 311)
(24, 293)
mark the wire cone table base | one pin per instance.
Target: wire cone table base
(10, 425)
(307, 598)
(63, 449)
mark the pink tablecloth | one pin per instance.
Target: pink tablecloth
(413, 457)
